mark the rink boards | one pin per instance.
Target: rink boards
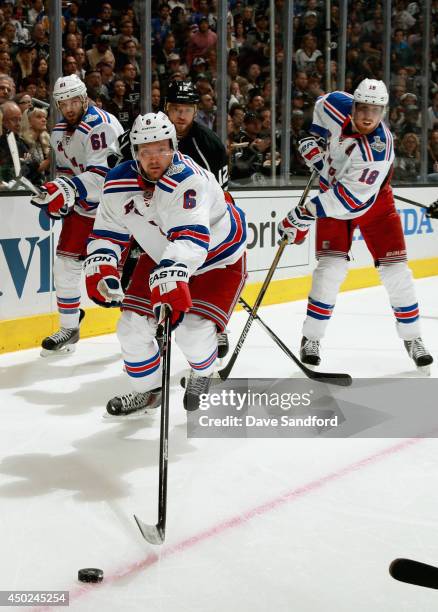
(28, 242)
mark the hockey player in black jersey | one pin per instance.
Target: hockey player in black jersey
(195, 140)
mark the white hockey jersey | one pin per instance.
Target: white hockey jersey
(81, 155)
(186, 218)
(355, 165)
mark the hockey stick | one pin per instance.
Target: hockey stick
(407, 201)
(155, 534)
(333, 378)
(225, 372)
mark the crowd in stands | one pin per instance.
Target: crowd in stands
(101, 45)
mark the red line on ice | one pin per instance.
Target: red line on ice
(239, 519)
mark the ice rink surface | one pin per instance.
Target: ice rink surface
(254, 525)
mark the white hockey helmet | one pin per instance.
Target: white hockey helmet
(68, 87)
(152, 127)
(371, 91)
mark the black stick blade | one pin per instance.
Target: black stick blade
(414, 572)
(154, 534)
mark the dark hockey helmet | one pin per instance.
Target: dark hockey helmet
(182, 92)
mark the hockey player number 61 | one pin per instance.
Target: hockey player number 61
(98, 141)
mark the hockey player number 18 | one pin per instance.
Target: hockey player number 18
(98, 141)
(370, 178)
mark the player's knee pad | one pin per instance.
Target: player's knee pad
(67, 274)
(194, 332)
(327, 278)
(397, 280)
(134, 328)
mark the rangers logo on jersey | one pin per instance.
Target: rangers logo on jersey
(378, 145)
(90, 117)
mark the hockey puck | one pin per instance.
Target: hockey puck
(90, 574)
(182, 382)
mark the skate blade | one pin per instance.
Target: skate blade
(65, 350)
(424, 370)
(124, 418)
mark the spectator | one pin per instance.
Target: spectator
(35, 12)
(401, 52)
(156, 100)
(95, 87)
(35, 135)
(407, 160)
(41, 41)
(7, 88)
(5, 63)
(255, 101)
(161, 24)
(126, 32)
(106, 16)
(235, 95)
(70, 65)
(163, 51)
(129, 74)
(432, 113)
(24, 65)
(249, 157)
(238, 39)
(119, 106)
(128, 54)
(101, 52)
(12, 123)
(41, 69)
(207, 111)
(107, 74)
(237, 114)
(71, 43)
(96, 30)
(257, 41)
(253, 76)
(432, 148)
(42, 91)
(24, 102)
(307, 55)
(200, 42)
(81, 62)
(309, 25)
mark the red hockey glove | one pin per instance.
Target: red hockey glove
(103, 280)
(311, 153)
(168, 283)
(57, 197)
(295, 226)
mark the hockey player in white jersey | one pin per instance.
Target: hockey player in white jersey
(80, 142)
(194, 239)
(355, 166)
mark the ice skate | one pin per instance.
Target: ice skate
(195, 386)
(419, 353)
(309, 352)
(63, 341)
(132, 405)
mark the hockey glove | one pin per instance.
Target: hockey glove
(102, 279)
(57, 197)
(168, 283)
(311, 153)
(295, 226)
(432, 211)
